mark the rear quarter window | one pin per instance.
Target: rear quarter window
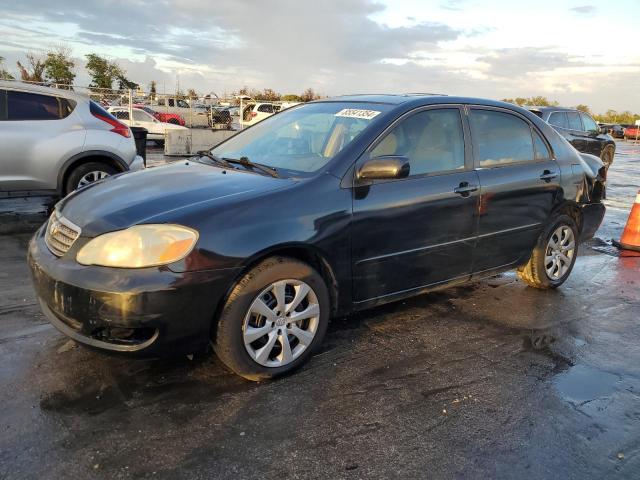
(21, 106)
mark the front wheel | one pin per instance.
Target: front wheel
(607, 155)
(553, 256)
(273, 320)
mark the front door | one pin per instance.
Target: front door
(520, 184)
(419, 231)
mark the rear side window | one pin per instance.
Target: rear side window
(121, 114)
(32, 106)
(559, 119)
(574, 121)
(501, 138)
(265, 108)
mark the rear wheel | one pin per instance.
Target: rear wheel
(274, 319)
(87, 173)
(553, 256)
(173, 121)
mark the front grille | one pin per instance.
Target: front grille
(60, 234)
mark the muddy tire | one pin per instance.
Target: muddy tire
(87, 173)
(273, 320)
(553, 256)
(607, 155)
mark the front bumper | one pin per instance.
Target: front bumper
(592, 215)
(146, 312)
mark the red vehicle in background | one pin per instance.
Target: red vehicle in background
(631, 132)
(166, 117)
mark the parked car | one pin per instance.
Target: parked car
(616, 131)
(54, 141)
(255, 112)
(233, 111)
(326, 208)
(580, 130)
(196, 116)
(156, 130)
(173, 118)
(632, 132)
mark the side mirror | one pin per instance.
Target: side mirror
(603, 130)
(384, 168)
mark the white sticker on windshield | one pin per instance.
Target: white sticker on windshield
(357, 113)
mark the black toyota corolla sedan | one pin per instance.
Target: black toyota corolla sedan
(323, 209)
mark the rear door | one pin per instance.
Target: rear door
(418, 231)
(38, 132)
(520, 182)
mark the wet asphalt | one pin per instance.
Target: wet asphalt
(489, 380)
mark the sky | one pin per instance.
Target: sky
(576, 52)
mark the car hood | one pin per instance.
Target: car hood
(128, 199)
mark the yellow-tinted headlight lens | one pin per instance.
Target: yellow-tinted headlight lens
(139, 246)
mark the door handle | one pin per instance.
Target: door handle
(465, 189)
(548, 175)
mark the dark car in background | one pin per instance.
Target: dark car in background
(327, 208)
(580, 130)
(616, 131)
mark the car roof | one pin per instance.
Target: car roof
(535, 108)
(30, 87)
(417, 99)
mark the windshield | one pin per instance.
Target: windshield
(302, 139)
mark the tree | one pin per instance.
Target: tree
(583, 108)
(34, 69)
(191, 94)
(290, 97)
(4, 74)
(102, 71)
(152, 89)
(539, 101)
(125, 84)
(308, 95)
(59, 67)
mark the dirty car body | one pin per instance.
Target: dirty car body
(461, 211)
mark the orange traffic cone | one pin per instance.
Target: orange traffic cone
(630, 239)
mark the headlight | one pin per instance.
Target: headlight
(139, 246)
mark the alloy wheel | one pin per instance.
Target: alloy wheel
(281, 323)
(560, 251)
(91, 177)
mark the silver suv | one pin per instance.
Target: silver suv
(55, 141)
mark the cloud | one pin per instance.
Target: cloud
(584, 9)
(510, 62)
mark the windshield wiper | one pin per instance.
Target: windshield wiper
(215, 158)
(245, 162)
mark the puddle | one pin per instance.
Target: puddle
(582, 383)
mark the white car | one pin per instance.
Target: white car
(156, 130)
(255, 112)
(55, 141)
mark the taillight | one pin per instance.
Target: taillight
(253, 114)
(118, 127)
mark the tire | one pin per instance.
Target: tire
(607, 155)
(535, 273)
(173, 121)
(238, 317)
(77, 174)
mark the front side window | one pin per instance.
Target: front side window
(432, 140)
(140, 116)
(302, 139)
(574, 121)
(33, 106)
(501, 138)
(589, 123)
